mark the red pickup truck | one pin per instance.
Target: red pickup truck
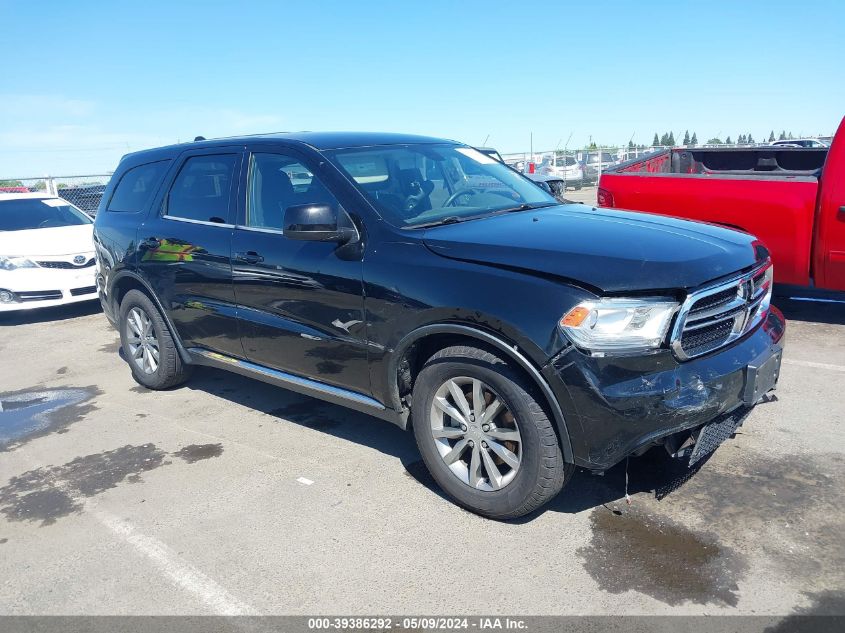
(792, 199)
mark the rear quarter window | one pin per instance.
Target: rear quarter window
(137, 187)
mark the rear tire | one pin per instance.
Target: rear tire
(527, 475)
(148, 347)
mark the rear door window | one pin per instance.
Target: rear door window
(202, 191)
(136, 187)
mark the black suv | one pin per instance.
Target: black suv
(425, 283)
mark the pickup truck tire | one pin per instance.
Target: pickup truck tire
(147, 344)
(540, 473)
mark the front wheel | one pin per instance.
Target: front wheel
(483, 436)
(147, 344)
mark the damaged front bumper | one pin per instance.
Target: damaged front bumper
(618, 406)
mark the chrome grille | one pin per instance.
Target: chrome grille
(39, 295)
(718, 315)
(707, 338)
(713, 301)
(65, 265)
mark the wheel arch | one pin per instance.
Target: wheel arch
(127, 280)
(432, 336)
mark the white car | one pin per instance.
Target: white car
(799, 142)
(46, 252)
(566, 168)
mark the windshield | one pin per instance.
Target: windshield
(38, 213)
(418, 185)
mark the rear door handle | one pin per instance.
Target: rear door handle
(150, 243)
(249, 257)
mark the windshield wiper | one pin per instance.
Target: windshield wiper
(527, 207)
(452, 219)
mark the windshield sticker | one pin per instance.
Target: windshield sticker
(54, 202)
(477, 156)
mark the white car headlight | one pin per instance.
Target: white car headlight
(13, 262)
(619, 325)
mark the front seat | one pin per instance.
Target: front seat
(415, 189)
(276, 195)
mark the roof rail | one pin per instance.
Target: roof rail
(218, 138)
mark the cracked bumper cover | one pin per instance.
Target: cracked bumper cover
(614, 406)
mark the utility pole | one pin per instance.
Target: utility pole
(564, 160)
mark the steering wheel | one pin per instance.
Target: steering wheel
(470, 191)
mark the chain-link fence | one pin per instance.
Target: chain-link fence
(579, 167)
(576, 167)
(583, 167)
(84, 192)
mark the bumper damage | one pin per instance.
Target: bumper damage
(616, 407)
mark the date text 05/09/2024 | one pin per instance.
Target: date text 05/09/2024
(417, 623)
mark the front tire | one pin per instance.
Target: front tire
(483, 435)
(147, 344)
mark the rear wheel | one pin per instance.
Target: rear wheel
(483, 435)
(147, 344)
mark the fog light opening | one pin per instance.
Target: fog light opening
(7, 296)
(680, 445)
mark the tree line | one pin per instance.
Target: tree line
(667, 139)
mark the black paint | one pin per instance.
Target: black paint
(346, 314)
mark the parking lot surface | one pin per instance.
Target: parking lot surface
(228, 496)
(587, 195)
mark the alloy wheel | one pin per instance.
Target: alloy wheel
(475, 433)
(143, 344)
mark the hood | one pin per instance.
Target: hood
(60, 240)
(610, 250)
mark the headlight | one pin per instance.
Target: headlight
(767, 285)
(13, 262)
(619, 325)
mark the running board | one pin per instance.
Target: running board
(299, 384)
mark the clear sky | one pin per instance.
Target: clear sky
(85, 82)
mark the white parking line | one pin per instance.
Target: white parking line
(809, 363)
(183, 574)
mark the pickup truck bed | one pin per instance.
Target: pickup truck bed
(774, 193)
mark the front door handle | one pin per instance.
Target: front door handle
(151, 243)
(842, 211)
(249, 257)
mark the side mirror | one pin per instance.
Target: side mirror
(318, 223)
(544, 185)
